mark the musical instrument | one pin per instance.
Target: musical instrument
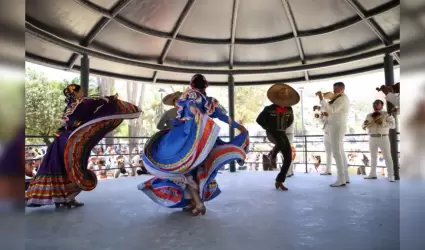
(391, 88)
(377, 118)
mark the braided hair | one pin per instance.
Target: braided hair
(69, 93)
(199, 82)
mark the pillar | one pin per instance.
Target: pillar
(84, 74)
(389, 80)
(231, 87)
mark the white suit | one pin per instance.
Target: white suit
(337, 125)
(379, 139)
(327, 143)
(290, 134)
(393, 98)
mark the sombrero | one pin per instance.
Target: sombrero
(283, 95)
(169, 99)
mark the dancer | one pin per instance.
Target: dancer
(378, 125)
(186, 158)
(276, 119)
(63, 173)
(166, 121)
(338, 110)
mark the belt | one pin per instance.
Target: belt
(378, 135)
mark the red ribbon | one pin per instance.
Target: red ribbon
(280, 110)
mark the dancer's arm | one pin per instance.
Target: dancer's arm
(220, 114)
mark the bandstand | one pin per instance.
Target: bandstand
(233, 43)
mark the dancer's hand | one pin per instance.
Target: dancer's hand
(242, 129)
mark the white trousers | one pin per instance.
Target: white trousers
(336, 136)
(291, 168)
(384, 144)
(328, 151)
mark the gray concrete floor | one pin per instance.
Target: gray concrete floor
(250, 214)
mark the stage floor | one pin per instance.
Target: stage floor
(250, 214)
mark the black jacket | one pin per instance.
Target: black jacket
(272, 118)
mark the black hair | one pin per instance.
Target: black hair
(339, 84)
(69, 93)
(379, 101)
(199, 82)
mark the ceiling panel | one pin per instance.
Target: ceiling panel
(370, 4)
(63, 17)
(103, 65)
(118, 40)
(190, 53)
(338, 41)
(261, 19)
(159, 15)
(268, 77)
(209, 19)
(389, 22)
(47, 50)
(187, 77)
(286, 50)
(314, 14)
(106, 4)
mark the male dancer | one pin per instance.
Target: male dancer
(378, 125)
(275, 119)
(166, 120)
(338, 110)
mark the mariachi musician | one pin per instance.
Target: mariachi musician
(338, 110)
(323, 118)
(378, 124)
(166, 121)
(392, 93)
(276, 119)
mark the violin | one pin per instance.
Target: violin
(391, 88)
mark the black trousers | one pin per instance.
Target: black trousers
(282, 145)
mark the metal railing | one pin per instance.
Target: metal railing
(306, 147)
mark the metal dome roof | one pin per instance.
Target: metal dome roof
(256, 41)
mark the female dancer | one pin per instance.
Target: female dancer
(63, 174)
(186, 158)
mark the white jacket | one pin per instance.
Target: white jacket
(338, 111)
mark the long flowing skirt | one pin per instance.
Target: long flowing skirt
(63, 172)
(191, 149)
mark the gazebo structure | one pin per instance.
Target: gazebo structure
(233, 43)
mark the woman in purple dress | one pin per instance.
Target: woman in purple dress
(63, 173)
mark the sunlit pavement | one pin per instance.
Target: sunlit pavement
(250, 214)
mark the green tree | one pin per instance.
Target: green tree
(249, 101)
(44, 104)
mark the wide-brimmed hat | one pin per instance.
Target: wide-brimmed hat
(169, 99)
(283, 95)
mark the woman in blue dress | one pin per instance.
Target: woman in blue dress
(186, 158)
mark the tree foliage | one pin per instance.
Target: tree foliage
(249, 101)
(45, 102)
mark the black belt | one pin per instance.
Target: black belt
(378, 135)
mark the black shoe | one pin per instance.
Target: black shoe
(325, 173)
